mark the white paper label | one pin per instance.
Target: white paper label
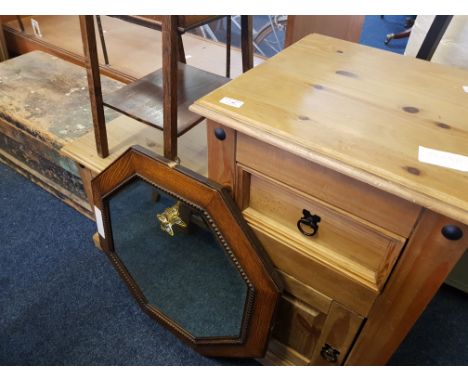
(465, 89)
(99, 223)
(443, 159)
(232, 102)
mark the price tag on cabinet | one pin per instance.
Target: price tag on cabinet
(231, 102)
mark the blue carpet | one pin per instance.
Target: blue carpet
(376, 29)
(439, 337)
(61, 302)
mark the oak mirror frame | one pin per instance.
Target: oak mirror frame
(232, 272)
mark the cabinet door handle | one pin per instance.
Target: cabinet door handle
(308, 223)
(329, 353)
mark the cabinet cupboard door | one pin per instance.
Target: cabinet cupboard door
(298, 325)
(305, 336)
(337, 336)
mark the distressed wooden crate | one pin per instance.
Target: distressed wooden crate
(44, 105)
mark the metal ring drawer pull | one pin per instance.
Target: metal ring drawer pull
(310, 221)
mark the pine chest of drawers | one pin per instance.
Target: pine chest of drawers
(320, 150)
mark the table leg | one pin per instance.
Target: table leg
(421, 269)
(88, 35)
(170, 59)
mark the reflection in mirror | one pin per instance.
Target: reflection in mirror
(176, 261)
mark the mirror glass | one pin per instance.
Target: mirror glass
(177, 261)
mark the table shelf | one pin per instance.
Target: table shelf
(143, 99)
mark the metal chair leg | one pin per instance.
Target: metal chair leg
(393, 36)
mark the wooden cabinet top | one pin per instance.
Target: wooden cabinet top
(361, 111)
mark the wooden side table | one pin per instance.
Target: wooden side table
(321, 151)
(161, 98)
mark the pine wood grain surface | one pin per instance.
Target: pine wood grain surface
(360, 111)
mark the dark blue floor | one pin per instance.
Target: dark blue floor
(440, 336)
(376, 29)
(61, 301)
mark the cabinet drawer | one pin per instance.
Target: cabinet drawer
(310, 272)
(352, 246)
(304, 292)
(360, 199)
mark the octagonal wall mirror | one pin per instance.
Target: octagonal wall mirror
(182, 247)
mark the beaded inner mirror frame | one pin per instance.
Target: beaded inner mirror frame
(181, 245)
